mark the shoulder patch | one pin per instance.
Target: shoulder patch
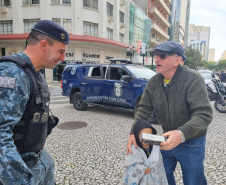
(7, 82)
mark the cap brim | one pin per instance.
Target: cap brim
(163, 52)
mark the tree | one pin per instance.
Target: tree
(222, 64)
(194, 58)
(210, 65)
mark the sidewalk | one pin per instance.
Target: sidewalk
(54, 84)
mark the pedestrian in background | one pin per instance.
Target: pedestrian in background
(25, 122)
(179, 98)
(223, 76)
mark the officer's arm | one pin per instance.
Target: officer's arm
(13, 100)
(145, 107)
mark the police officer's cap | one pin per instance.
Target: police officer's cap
(53, 30)
(170, 48)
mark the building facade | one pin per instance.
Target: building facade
(159, 12)
(179, 20)
(211, 55)
(187, 23)
(223, 56)
(99, 29)
(199, 38)
(139, 32)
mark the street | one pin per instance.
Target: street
(56, 96)
(95, 154)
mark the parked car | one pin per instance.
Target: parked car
(119, 84)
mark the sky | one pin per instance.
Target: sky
(211, 13)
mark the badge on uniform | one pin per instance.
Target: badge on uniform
(7, 82)
(38, 99)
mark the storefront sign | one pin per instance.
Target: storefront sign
(86, 55)
(69, 54)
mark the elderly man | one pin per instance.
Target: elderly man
(179, 98)
(25, 121)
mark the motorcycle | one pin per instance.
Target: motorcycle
(217, 92)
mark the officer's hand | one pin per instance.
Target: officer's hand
(131, 141)
(173, 140)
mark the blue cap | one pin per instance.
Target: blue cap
(169, 48)
(53, 30)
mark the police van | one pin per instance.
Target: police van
(119, 84)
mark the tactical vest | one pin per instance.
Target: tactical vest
(30, 132)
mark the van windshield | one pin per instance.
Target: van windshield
(141, 72)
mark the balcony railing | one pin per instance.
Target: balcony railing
(68, 29)
(160, 16)
(6, 30)
(159, 30)
(30, 2)
(55, 1)
(91, 33)
(4, 4)
(164, 7)
(27, 29)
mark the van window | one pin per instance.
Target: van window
(116, 73)
(91, 72)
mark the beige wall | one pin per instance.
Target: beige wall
(223, 56)
(183, 13)
(211, 55)
(76, 12)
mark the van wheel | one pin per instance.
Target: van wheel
(136, 106)
(78, 102)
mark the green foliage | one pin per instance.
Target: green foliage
(194, 58)
(210, 65)
(222, 65)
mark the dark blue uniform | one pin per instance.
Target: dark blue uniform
(14, 95)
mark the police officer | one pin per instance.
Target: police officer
(25, 121)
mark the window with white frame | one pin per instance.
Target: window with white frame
(4, 3)
(55, 1)
(90, 28)
(67, 25)
(66, 2)
(121, 37)
(91, 4)
(30, 2)
(56, 20)
(6, 27)
(121, 16)
(109, 9)
(28, 24)
(109, 33)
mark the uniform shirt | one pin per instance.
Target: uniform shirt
(13, 101)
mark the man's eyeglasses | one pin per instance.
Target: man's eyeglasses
(163, 56)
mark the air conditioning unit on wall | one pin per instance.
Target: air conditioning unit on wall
(4, 9)
(123, 2)
(110, 19)
(122, 25)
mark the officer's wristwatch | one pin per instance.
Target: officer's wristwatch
(182, 136)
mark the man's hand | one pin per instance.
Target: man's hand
(173, 140)
(131, 141)
(147, 171)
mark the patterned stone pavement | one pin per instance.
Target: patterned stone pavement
(95, 154)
